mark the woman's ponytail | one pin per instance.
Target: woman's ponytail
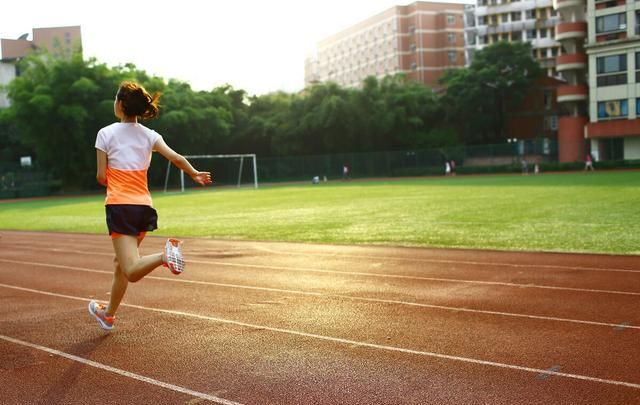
(136, 102)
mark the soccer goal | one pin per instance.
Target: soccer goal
(231, 167)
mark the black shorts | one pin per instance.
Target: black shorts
(131, 220)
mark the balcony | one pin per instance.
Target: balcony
(613, 36)
(568, 4)
(572, 92)
(571, 62)
(568, 30)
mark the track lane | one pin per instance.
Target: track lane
(332, 371)
(258, 366)
(531, 342)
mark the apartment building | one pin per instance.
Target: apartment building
(601, 65)
(533, 21)
(59, 41)
(422, 39)
(613, 51)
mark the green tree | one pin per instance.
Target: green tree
(57, 107)
(476, 96)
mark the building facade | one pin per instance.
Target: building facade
(422, 39)
(532, 21)
(59, 41)
(613, 50)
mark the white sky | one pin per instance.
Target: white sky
(256, 45)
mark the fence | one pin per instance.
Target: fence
(408, 162)
(18, 182)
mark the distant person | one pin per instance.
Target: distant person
(345, 172)
(453, 167)
(123, 157)
(525, 167)
(536, 169)
(588, 162)
(447, 168)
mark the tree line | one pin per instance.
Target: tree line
(58, 106)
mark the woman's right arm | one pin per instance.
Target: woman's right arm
(101, 160)
(202, 178)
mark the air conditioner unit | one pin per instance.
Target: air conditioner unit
(612, 108)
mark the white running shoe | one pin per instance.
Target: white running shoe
(98, 312)
(173, 256)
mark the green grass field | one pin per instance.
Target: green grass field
(569, 212)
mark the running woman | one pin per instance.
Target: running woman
(123, 156)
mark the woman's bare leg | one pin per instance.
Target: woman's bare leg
(126, 248)
(132, 265)
(118, 288)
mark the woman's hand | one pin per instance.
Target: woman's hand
(202, 178)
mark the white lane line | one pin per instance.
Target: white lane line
(352, 343)
(446, 280)
(329, 295)
(397, 276)
(391, 258)
(448, 261)
(121, 372)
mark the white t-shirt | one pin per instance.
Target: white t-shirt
(128, 147)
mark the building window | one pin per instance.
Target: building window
(451, 38)
(482, 39)
(504, 18)
(412, 29)
(543, 32)
(531, 34)
(516, 16)
(548, 99)
(451, 19)
(412, 47)
(613, 109)
(530, 14)
(452, 56)
(414, 66)
(611, 70)
(611, 22)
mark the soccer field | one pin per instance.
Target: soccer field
(569, 212)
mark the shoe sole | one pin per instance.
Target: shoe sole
(102, 324)
(175, 243)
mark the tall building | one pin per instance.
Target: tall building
(533, 21)
(613, 50)
(571, 32)
(601, 64)
(59, 41)
(422, 39)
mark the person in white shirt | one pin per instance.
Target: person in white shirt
(124, 152)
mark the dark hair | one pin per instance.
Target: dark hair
(137, 102)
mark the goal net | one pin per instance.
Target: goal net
(226, 170)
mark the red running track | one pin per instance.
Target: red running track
(280, 323)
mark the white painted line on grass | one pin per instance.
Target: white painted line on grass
(121, 372)
(324, 295)
(354, 343)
